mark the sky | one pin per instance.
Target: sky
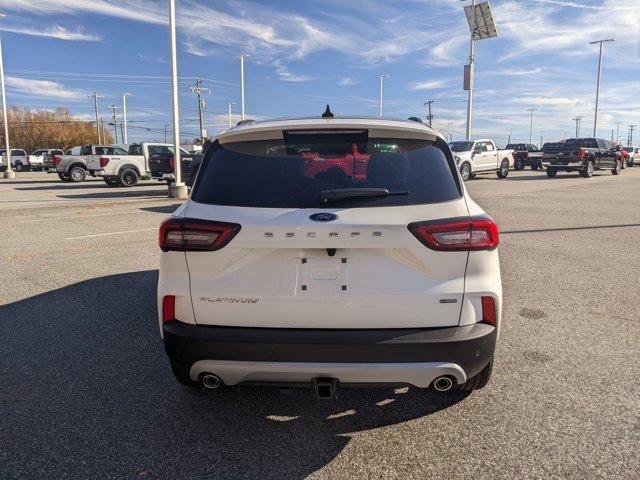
(304, 54)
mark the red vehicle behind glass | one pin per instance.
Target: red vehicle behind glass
(353, 164)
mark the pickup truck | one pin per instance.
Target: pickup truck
(37, 158)
(19, 159)
(481, 156)
(125, 170)
(72, 167)
(583, 155)
(526, 155)
(162, 163)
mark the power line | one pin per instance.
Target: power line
(198, 89)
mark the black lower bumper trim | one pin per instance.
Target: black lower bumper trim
(470, 346)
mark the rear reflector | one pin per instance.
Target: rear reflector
(104, 161)
(168, 308)
(186, 235)
(55, 160)
(489, 310)
(457, 234)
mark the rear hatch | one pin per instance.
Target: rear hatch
(322, 240)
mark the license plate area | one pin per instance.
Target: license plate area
(323, 275)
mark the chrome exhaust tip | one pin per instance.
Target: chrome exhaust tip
(443, 384)
(211, 381)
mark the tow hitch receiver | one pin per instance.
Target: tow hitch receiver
(326, 387)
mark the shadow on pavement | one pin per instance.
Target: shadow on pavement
(162, 209)
(118, 193)
(81, 185)
(88, 393)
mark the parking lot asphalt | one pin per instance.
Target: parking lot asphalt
(86, 391)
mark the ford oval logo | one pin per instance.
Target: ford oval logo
(323, 217)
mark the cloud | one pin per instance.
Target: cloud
(288, 76)
(55, 31)
(347, 81)
(42, 88)
(548, 101)
(430, 85)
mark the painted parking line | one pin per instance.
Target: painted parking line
(112, 233)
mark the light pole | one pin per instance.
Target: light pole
(509, 139)
(479, 31)
(8, 173)
(540, 144)
(125, 135)
(165, 131)
(382, 77)
(531, 122)
(618, 131)
(242, 57)
(595, 118)
(178, 189)
(229, 113)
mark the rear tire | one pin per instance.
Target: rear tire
(18, 167)
(587, 170)
(504, 169)
(128, 177)
(534, 166)
(519, 164)
(77, 174)
(551, 172)
(478, 381)
(64, 177)
(618, 167)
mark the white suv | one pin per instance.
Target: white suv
(326, 252)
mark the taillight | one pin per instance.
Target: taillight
(28, 160)
(488, 310)
(55, 160)
(172, 163)
(513, 154)
(187, 235)
(476, 233)
(581, 153)
(169, 308)
(104, 161)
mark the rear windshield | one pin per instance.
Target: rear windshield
(292, 173)
(581, 142)
(460, 146)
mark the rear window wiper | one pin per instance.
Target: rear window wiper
(328, 196)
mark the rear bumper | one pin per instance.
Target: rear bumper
(390, 356)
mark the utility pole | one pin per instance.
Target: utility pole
(242, 57)
(540, 144)
(165, 131)
(382, 77)
(198, 89)
(618, 131)
(531, 122)
(631, 129)
(577, 120)
(430, 115)
(472, 50)
(125, 134)
(595, 118)
(450, 137)
(96, 96)
(509, 139)
(115, 124)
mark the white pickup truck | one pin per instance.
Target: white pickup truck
(124, 169)
(19, 159)
(72, 167)
(481, 156)
(37, 158)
